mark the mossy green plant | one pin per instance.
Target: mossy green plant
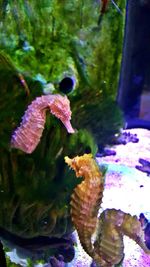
(40, 39)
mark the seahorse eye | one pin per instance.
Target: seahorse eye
(44, 223)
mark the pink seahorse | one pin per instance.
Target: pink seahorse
(27, 136)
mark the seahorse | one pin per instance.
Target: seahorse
(113, 225)
(86, 198)
(27, 136)
(108, 248)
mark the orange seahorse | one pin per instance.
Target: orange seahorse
(107, 248)
(86, 198)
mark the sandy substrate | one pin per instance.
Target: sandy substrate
(127, 189)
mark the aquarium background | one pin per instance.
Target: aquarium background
(134, 86)
(49, 47)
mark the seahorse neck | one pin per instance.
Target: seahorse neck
(44, 101)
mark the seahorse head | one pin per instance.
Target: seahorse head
(60, 107)
(84, 166)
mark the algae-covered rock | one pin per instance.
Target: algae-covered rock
(35, 186)
(41, 43)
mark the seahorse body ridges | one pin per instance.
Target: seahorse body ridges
(86, 198)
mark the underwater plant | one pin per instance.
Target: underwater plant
(38, 48)
(94, 56)
(35, 185)
(107, 247)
